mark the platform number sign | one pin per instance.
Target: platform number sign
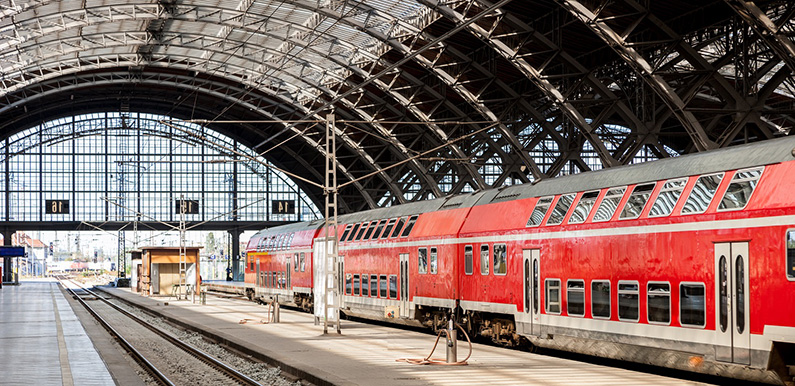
(191, 206)
(56, 206)
(283, 207)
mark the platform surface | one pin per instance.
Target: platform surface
(366, 354)
(42, 341)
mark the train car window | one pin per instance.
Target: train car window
(468, 258)
(274, 279)
(692, 305)
(561, 208)
(539, 212)
(434, 260)
(365, 285)
(345, 233)
(583, 208)
(628, 299)
(356, 285)
(374, 285)
(389, 225)
(393, 286)
(303, 261)
(290, 242)
(484, 259)
(552, 298)
(600, 299)
(382, 286)
(500, 259)
(280, 242)
(609, 204)
(409, 226)
(295, 263)
(370, 230)
(362, 230)
(790, 259)
(378, 229)
(535, 286)
(658, 302)
(251, 262)
(422, 260)
(669, 195)
(575, 297)
(348, 285)
(740, 189)
(353, 231)
(702, 193)
(398, 227)
(637, 201)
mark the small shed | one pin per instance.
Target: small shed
(160, 269)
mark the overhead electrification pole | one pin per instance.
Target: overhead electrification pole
(332, 295)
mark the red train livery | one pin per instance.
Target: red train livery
(686, 262)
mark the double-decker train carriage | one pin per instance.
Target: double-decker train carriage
(686, 262)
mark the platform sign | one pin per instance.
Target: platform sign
(283, 207)
(12, 251)
(56, 206)
(191, 206)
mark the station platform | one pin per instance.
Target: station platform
(366, 354)
(42, 341)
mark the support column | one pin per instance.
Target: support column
(235, 253)
(7, 278)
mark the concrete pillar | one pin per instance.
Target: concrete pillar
(235, 253)
(7, 277)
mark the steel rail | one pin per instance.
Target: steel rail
(201, 355)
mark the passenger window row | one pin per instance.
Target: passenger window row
(736, 197)
(299, 260)
(383, 286)
(278, 242)
(274, 279)
(692, 304)
(500, 259)
(379, 229)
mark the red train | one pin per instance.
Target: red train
(686, 262)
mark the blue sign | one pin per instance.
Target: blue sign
(12, 251)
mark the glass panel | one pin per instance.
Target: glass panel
(484, 259)
(345, 233)
(527, 286)
(739, 286)
(562, 206)
(356, 285)
(348, 284)
(583, 208)
(790, 268)
(303, 262)
(702, 193)
(539, 212)
(600, 299)
(393, 290)
(575, 297)
(535, 286)
(373, 285)
(409, 226)
(637, 200)
(382, 286)
(370, 230)
(628, 299)
(398, 227)
(740, 189)
(468, 260)
(669, 195)
(659, 302)
(363, 229)
(500, 259)
(433, 260)
(354, 231)
(422, 260)
(609, 204)
(552, 300)
(389, 225)
(723, 290)
(378, 229)
(295, 263)
(692, 307)
(365, 285)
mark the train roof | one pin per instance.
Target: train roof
(736, 157)
(290, 228)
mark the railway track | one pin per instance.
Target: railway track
(169, 360)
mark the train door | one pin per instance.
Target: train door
(341, 280)
(529, 315)
(404, 285)
(732, 303)
(288, 274)
(258, 273)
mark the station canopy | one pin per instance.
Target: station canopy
(430, 97)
